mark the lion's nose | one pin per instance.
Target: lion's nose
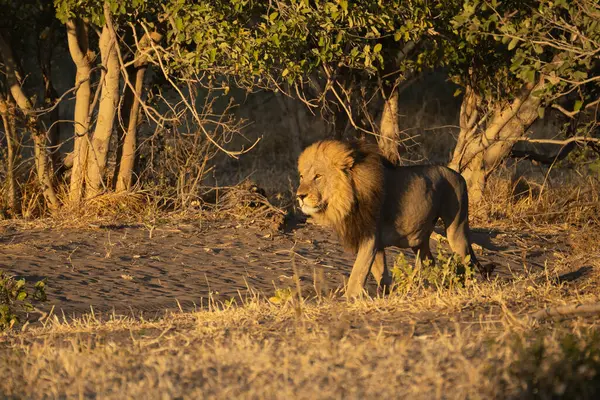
(300, 196)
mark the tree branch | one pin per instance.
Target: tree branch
(570, 310)
(572, 114)
(567, 145)
(578, 139)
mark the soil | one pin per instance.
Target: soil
(130, 269)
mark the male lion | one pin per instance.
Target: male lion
(372, 205)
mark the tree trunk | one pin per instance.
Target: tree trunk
(128, 149)
(482, 145)
(45, 47)
(468, 120)
(8, 121)
(389, 131)
(24, 104)
(389, 128)
(77, 36)
(126, 161)
(96, 162)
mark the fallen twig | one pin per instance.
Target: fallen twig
(570, 310)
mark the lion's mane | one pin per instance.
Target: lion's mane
(357, 191)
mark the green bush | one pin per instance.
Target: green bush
(447, 272)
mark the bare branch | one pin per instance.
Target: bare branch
(579, 139)
(190, 107)
(566, 311)
(572, 114)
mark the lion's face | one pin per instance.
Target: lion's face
(324, 180)
(313, 185)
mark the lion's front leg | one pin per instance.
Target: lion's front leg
(364, 260)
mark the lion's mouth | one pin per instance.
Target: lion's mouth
(310, 210)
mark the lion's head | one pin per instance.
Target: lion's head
(341, 185)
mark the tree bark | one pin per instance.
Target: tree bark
(96, 161)
(468, 120)
(45, 47)
(8, 121)
(39, 139)
(482, 145)
(128, 149)
(77, 37)
(389, 130)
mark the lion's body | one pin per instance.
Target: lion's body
(372, 205)
(415, 198)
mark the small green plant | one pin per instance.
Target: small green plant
(281, 296)
(449, 271)
(230, 303)
(594, 167)
(14, 299)
(405, 275)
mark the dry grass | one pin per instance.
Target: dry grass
(468, 342)
(572, 200)
(247, 202)
(566, 205)
(109, 208)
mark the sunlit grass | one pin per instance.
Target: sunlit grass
(472, 340)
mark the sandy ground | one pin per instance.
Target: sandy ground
(131, 269)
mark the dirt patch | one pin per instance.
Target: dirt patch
(133, 268)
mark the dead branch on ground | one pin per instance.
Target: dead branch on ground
(565, 311)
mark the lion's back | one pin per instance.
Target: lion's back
(423, 181)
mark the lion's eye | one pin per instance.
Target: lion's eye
(317, 176)
(301, 176)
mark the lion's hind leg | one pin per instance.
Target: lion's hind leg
(380, 272)
(458, 239)
(457, 233)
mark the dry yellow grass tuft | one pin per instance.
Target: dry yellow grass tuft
(247, 201)
(467, 342)
(576, 202)
(124, 207)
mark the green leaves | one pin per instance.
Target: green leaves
(502, 45)
(541, 112)
(498, 44)
(249, 39)
(289, 41)
(529, 75)
(13, 293)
